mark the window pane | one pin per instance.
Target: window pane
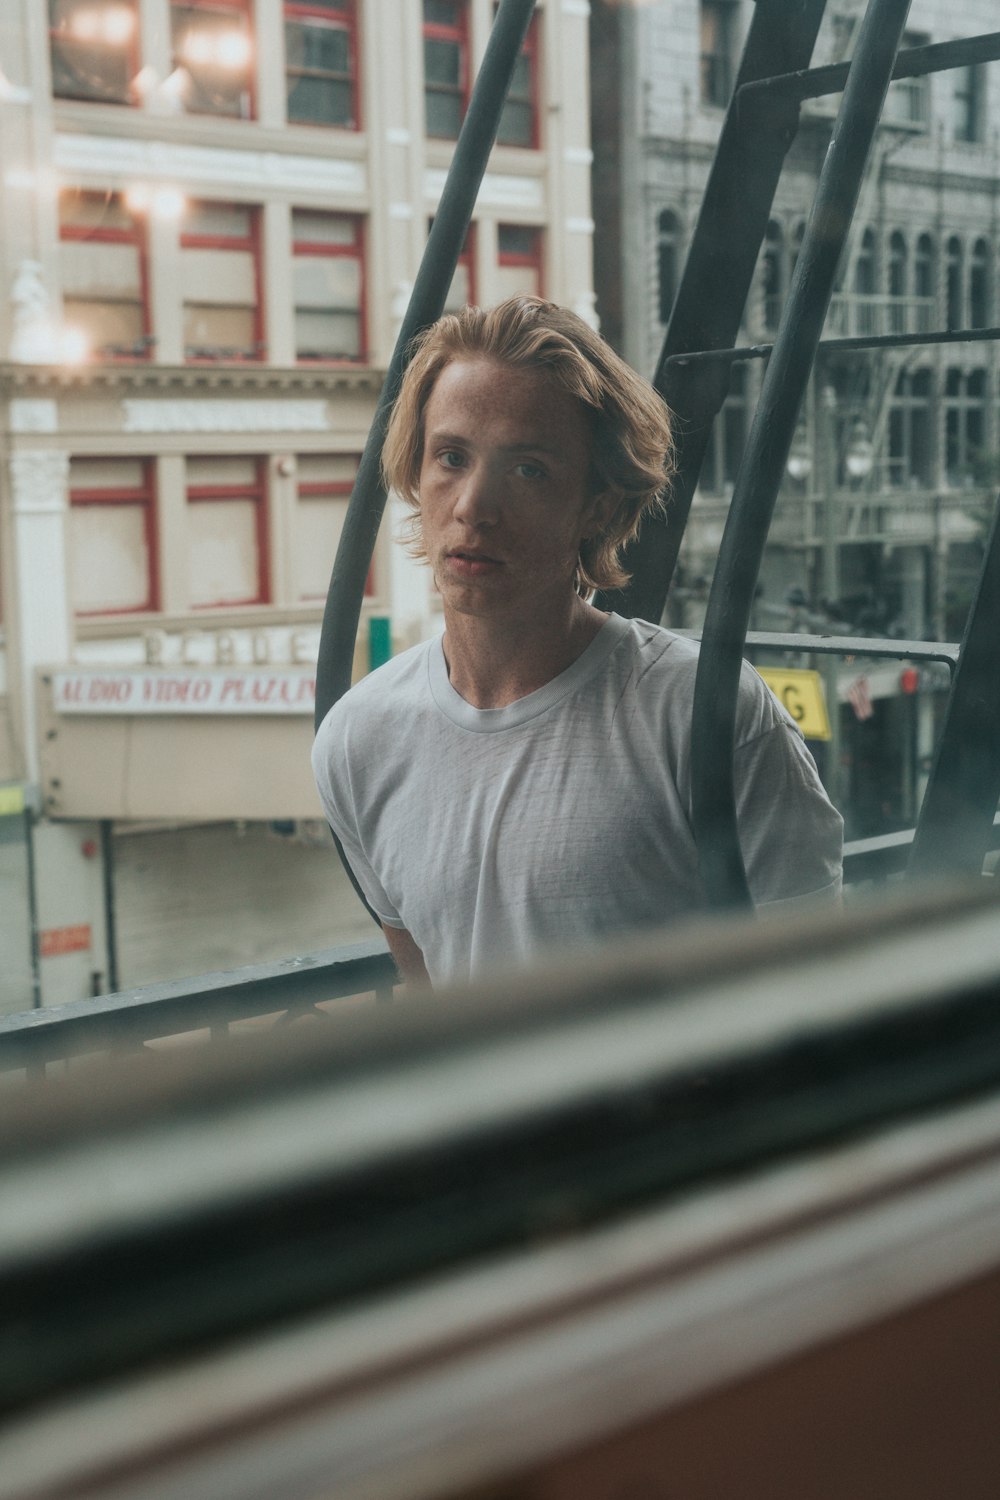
(442, 62)
(92, 269)
(91, 49)
(322, 229)
(213, 470)
(327, 468)
(444, 115)
(513, 279)
(320, 520)
(442, 12)
(214, 47)
(322, 101)
(225, 276)
(109, 327)
(318, 44)
(327, 281)
(327, 335)
(107, 474)
(233, 220)
(109, 558)
(214, 331)
(223, 559)
(94, 211)
(516, 124)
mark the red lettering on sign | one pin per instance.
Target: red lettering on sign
(55, 940)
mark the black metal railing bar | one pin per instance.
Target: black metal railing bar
(842, 345)
(964, 785)
(716, 280)
(290, 988)
(786, 377)
(911, 62)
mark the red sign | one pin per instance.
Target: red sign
(55, 940)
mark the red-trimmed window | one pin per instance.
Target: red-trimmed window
(519, 120)
(227, 532)
(94, 47)
(213, 44)
(519, 258)
(321, 62)
(221, 282)
(102, 254)
(462, 292)
(112, 536)
(325, 481)
(329, 286)
(446, 66)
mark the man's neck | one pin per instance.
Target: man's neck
(494, 662)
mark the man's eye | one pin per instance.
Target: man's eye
(529, 471)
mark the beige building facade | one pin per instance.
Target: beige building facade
(214, 211)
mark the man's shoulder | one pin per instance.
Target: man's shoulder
(654, 657)
(383, 692)
(663, 665)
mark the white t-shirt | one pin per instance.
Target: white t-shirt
(492, 834)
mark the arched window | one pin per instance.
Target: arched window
(772, 264)
(728, 437)
(865, 315)
(979, 285)
(897, 284)
(964, 424)
(925, 316)
(910, 430)
(667, 260)
(953, 283)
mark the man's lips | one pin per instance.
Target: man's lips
(468, 561)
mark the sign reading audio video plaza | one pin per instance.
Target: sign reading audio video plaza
(281, 690)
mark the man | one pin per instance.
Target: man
(524, 781)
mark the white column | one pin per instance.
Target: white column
(44, 627)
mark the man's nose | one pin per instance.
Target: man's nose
(478, 501)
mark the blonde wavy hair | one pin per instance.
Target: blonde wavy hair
(631, 444)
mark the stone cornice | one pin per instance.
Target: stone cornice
(123, 380)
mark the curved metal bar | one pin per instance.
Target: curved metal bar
(451, 222)
(717, 277)
(955, 825)
(714, 718)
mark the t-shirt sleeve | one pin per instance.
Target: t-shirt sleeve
(791, 835)
(331, 768)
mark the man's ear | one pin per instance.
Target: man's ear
(599, 510)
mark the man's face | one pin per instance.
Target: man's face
(503, 488)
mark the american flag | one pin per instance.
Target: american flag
(860, 698)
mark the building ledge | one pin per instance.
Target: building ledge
(15, 378)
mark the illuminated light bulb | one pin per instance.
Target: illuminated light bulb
(169, 203)
(232, 49)
(198, 48)
(74, 346)
(85, 25)
(137, 198)
(119, 24)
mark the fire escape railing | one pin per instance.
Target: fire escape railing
(956, 816)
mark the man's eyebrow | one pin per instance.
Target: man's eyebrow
(441, 435)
